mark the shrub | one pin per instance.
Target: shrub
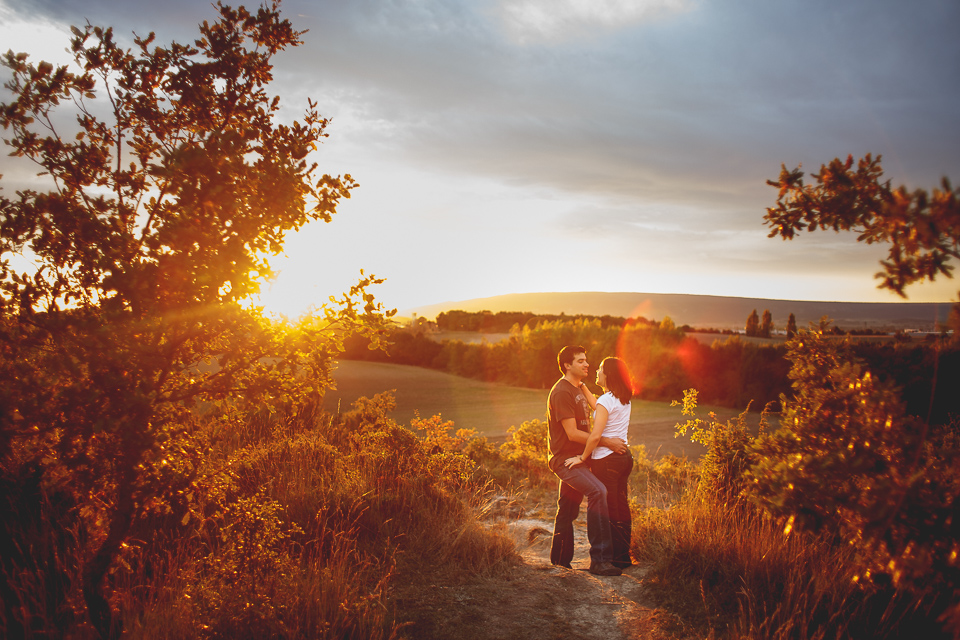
(723, 465)
(529, 443)
(292, 524)
(848, 461)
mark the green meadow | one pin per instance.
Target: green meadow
(491, 409)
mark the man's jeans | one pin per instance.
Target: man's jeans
(574, 485)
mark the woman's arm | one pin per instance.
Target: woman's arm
(588, 395)
(599, 423)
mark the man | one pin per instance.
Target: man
(568, 411)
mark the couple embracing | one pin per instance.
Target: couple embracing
(591, 463)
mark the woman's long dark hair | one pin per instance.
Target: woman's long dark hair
(618, 379)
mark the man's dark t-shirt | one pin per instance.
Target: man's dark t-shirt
(565, 401)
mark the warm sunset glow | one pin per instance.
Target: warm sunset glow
(301, 286)
(289, 295)
(634, 348)
(475, 183)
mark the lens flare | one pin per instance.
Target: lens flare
(659, 357)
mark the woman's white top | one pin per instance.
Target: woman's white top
(618, 422)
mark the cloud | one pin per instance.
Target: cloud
(135, 15)
(556, 21)
(700, 111)
(645, 127)
(43, 39)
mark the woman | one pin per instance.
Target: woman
(612, 419)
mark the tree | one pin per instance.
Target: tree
(163, 200)
(922, 229)
(823, 488)
(753, 324)
(766, 325)
(953, 324)
(847, 457)
(791, 326)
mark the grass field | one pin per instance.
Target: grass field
(470, 337)
(709, 338)
(491, 409)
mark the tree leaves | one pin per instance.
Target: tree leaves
(922, 229)
(171, 185)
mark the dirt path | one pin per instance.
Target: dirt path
(538, 601)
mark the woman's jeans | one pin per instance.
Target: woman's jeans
(576, 483)
(614, 472)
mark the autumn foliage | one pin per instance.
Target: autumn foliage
(165, 184)
(165, 470)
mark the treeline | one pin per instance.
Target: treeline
(764, 328)
(664, 361)
(504, 321)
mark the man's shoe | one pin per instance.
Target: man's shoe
(623, 564)
(604, 569)
(565, 565)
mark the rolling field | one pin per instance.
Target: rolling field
(491, 409)
(469, 337)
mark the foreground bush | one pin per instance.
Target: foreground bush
(732, 572)
(298, 526)
(850, 463)
(850, 531)
(171, 178)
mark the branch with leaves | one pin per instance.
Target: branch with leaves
(922, 229)
(159, 209)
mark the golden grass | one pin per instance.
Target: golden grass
(307, 526)
(299, 526)
(732, 572)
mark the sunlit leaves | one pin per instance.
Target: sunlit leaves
(849, 461)
(172, 184)
(921, 228)
(529, 441)
(847, 458)
(723, 465)
(190, 163)
(837, 461)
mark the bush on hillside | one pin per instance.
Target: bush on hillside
(849, 461)
(723, 465)
(297, 524)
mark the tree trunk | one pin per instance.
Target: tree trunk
(108, 626)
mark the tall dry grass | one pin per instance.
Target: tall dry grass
(306, 525)
(294, 525)
(731, 572)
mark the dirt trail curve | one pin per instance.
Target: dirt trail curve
(538, 601)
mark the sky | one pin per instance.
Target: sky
(512, 146)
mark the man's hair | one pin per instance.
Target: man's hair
(618, 379)
(566, 356)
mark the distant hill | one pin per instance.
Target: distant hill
(700, 311)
